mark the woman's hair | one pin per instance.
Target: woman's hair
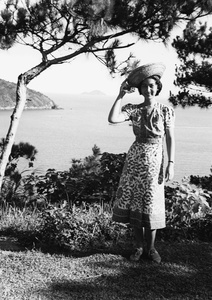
(158, 82)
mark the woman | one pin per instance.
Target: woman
(140, 195)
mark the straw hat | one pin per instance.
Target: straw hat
(135, 78)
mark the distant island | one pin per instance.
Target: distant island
(35, 100)
(94, 93)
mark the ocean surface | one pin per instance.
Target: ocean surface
(71, 132)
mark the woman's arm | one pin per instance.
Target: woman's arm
(170, 145)
(115, 114)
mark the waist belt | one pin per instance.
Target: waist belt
(149, 140)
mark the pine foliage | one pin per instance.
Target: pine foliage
(193, 75)
(55, 27)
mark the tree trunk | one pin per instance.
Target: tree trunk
(23, 80)
(15, 117)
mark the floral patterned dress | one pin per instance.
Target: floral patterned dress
(140, 195)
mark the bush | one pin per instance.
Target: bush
(188, 212)
(93, 179)
(204, 182)
(14, 189)
(71, 205)
(80, 229)
(185, 203)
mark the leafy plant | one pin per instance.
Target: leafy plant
(80, 183)
(14, 188)
(111, 168)
(185, 203)
(79, 228)
(75, 205)
(92, 179)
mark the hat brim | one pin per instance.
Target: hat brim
(135, 78)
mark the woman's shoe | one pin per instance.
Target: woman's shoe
(137, 255)
(154, 256)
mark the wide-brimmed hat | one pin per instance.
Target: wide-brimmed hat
(135, 78)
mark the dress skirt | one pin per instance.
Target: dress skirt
(140, 197)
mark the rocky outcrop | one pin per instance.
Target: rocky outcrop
(35, 100)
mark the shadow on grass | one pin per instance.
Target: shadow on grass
(185, 273)
(10, 243)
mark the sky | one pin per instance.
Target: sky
(83, 74)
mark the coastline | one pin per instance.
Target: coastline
(55, 107)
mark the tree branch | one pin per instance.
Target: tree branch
(110, 48)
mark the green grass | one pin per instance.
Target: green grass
(185, 273)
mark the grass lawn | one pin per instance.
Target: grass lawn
(185, 273)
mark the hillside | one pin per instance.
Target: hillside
(35, 100)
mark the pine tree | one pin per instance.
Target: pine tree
(194, 72)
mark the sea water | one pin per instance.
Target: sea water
(71, 132)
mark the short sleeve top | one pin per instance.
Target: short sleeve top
(149, 122)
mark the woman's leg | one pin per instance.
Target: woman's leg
(139, 237)
(151, 251)
(139, 243)
(150, 238)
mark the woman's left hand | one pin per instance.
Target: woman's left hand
(169, 175)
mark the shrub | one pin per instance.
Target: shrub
(93, 179)
(188, 212)
(185, 203)
(204, 182)
(14, 189)
(71, 204)
(79, 184)
(80, 228)
(111, 168)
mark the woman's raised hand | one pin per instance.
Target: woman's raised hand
(125, 88)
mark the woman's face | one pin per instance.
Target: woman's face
(149, 88)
